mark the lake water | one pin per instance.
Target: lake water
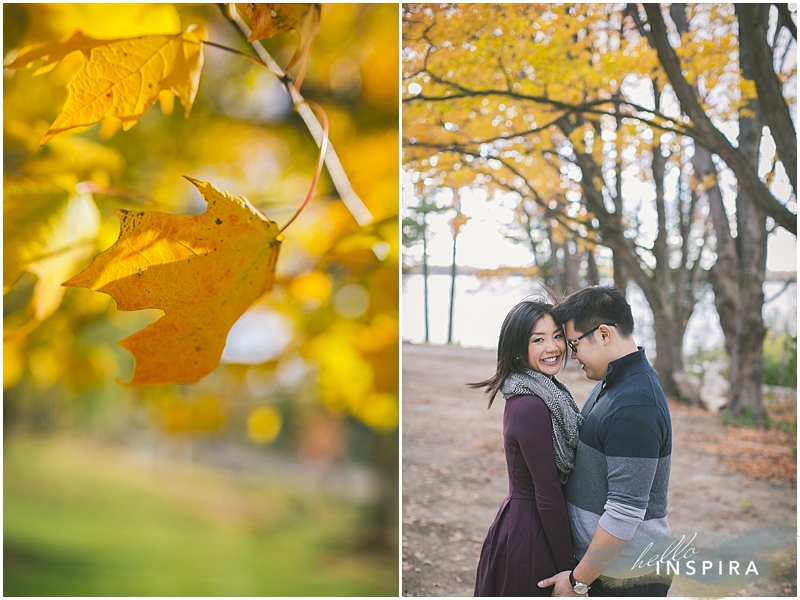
(481, 305)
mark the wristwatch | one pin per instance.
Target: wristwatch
(577, 586)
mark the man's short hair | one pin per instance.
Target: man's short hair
(593, 306)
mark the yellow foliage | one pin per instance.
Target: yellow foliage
(184, 416)
(345, 377)
(47, 365)
(357, 365)
(77, 157)
(48, 232)
(120, 78)
(312, 288)
(264, 424)
(380, 411)
(13, 362)
(89, 368)
(111, 20)
(379, 335)
(203, 271)
(250, 139)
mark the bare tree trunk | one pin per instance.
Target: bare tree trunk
(752, 243)
(425, 273)
(592, 273)
(554, 281)
(537, 259)
(452, 293)
(774, 111)
(724, 275)
(620, 275)
(669, 342)
(572, 267)
(456, 225)
(656, 288)
(738, 275)
(669, 333)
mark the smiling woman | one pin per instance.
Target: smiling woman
(546, 350)
(530, 537)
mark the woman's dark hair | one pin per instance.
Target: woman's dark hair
(512, 347)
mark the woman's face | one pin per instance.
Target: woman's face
(546, 346)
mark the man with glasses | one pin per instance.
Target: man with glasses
(617, 494)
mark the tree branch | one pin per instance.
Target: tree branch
(336, 171)
(711, 137)
(588, 108)
(753, 37)
(785, 20)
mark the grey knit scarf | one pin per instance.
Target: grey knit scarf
(567, 419)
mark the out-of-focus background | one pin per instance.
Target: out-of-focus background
(277, 474)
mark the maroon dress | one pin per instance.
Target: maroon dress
(529, 539)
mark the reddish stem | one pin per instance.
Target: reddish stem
(323, 147)
(301, 74)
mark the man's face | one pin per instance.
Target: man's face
(587, 352)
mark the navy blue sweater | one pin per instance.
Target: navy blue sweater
(622, 463)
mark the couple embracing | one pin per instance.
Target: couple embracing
(587, 489)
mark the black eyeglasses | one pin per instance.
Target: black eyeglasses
(572, 343)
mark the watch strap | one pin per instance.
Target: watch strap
(575, 584)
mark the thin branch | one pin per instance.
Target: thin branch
(320, 161)
(336, 171)
(785, 20)
(775, 296)
(587, 108)
(249, 57)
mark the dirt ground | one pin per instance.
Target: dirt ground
(454, 480)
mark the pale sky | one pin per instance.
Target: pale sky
(482, 245)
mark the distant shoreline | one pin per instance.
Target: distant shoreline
(504, 272)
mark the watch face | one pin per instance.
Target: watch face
(577, 586)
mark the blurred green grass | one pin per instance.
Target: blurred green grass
(82, 519)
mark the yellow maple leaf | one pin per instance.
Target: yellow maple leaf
(47, 231)
(204, 271)
(121, 78)
(269, 20)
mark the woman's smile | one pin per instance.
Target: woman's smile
(546, 346)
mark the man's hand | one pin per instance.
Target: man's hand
(563, 586)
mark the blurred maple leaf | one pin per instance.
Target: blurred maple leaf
(121, 78)
(269, 20)
(204, 271)
(47, 231)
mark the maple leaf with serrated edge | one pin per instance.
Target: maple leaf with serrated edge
(203, 271)
(269, 20)
(120, 78)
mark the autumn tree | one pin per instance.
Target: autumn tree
(251, 209)
(565, 104)
(739, 272)
(415, 231)
(499, 119)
